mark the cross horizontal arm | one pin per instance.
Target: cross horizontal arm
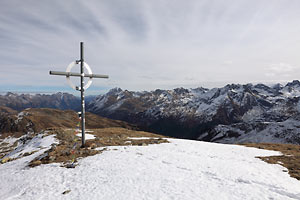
(77, 74)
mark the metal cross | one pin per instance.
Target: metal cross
(82, 87)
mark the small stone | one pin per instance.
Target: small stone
(93, 146)
(70, 165)
(36, 163)
(52, 158)
(4, 160)
(66, 192)
(26, 154)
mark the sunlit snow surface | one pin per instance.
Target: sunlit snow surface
(87, 136)
(181, 169)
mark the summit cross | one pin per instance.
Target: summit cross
(82, 86)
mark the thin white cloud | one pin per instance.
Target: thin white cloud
(167, 41)
(228, 62)
(282, 69)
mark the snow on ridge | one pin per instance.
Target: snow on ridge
(181, 169)
(289, 93)
(233, 103)
(9, 141)
(37, 143)
(116, 105)
(32, 146)
(257, 132)
(20, 116)
(253, 114)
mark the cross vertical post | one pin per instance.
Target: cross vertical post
(82, 87)
(82, 96)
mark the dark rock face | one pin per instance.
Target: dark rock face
(234, 113)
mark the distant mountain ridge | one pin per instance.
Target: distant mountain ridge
(58, 100)
(231, 114)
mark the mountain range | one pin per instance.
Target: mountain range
(231, 114)
(234, 113)
(58, 100)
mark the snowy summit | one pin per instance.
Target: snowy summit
(181, 169)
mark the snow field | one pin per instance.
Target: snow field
(181, 169)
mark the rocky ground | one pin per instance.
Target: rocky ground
(67, 150)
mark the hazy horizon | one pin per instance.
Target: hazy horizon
(97, 91)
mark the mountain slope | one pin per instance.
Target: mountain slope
(234, 113)
(37, 119)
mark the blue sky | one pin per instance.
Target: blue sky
(144, 45)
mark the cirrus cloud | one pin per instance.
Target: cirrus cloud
(207, 40)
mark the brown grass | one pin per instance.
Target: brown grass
(7, 110)
(5, 148)
(44, 118)
(38, 119)
(290, 158)
(107, 132)
(7, 134)
(69, 147)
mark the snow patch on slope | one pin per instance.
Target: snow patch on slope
(36, 145)
(258, 132)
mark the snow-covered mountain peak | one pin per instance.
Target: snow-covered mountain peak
(200, 109)
(114, 91)
(294, 83)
